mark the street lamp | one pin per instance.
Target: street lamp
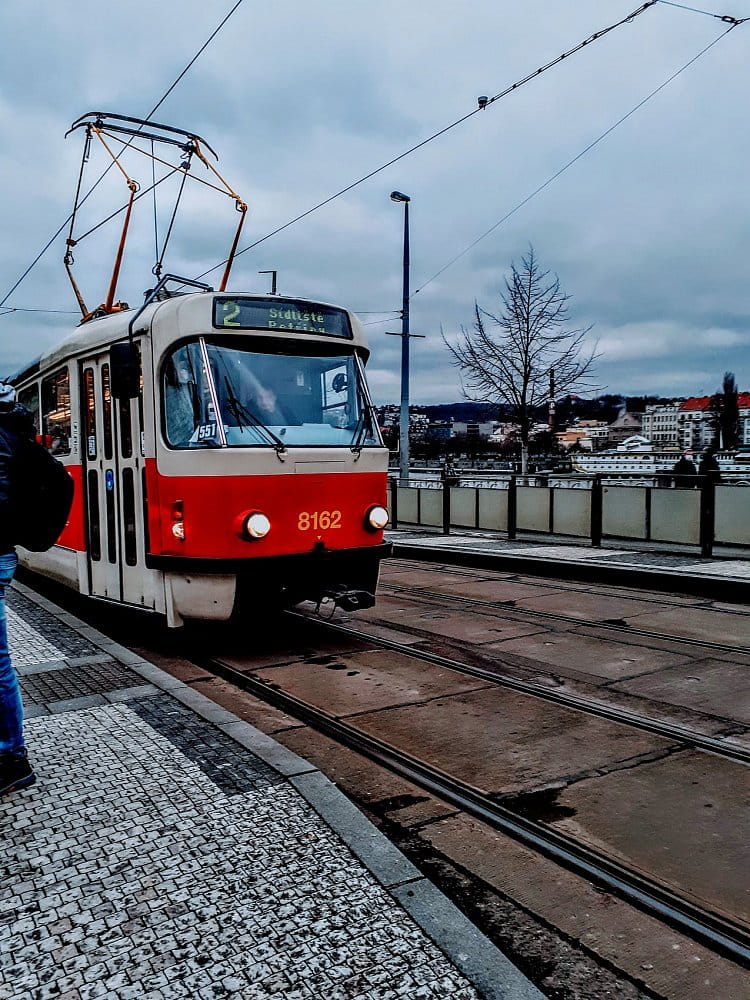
(404, 414)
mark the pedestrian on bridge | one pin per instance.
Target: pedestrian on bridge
(684, 474)
(709, 467)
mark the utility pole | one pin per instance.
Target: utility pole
(405, 335)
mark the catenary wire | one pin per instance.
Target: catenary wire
(575, 159)
(459, 121)
(153, 110)
(708, 13)
(22, 309)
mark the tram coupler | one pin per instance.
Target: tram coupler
(346, 598)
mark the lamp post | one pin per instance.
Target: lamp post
(404, 414)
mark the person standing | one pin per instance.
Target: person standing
(684, 474)
(709, 467)
(15, 425)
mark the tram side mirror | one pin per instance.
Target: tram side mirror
(125, 370)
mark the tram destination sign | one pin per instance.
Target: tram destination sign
(281, 314)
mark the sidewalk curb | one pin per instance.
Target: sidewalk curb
(586, 570)
(481, 962)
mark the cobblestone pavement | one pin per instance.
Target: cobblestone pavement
(157, 858)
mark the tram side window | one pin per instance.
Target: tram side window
(56, 412)
(107, 412)
(335, 402)
(89, 401)
(29, 398)
(186, 399)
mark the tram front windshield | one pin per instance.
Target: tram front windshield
(263, 399)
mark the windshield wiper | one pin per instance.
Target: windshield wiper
(241, 412)
(360, 430)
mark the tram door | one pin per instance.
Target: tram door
(113, 477)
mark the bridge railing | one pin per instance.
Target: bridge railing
(696, 512)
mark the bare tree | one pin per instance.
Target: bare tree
(514, 357)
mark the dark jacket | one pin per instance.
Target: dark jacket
(709, 468)
(15, 424)
(684, 472)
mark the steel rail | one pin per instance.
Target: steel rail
(721, 933)
(668, 730)
(569, 620)
(550, 583)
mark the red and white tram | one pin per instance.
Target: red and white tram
(224, 451)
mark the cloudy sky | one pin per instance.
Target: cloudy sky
(649, 231)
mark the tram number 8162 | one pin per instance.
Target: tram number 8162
(318, 520)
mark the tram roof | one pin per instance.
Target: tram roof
(193, 314)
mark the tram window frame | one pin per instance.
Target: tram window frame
(304, 349)
(89, 412)
(53, 387)
(129, 517)
(95, 531)
(106, 386)
(126, 427)
(34, 408)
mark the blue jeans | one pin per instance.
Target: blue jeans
(11, 710)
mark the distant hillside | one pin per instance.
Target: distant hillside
(465, 412)
(567, 409)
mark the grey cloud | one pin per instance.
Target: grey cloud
(648, 232)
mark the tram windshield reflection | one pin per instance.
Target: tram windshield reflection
(264, 398)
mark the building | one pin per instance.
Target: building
(589, 435)
(691, 424)
(625, 426)
(659, 424)
(696, 424)
(474, 429)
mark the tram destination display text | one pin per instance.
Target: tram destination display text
(281, 314)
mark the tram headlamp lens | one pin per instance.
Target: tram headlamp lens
(377, 518)
(257, 525)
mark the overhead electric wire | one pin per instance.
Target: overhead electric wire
(459, 121)
(695, 10)
(22, 309)
(199, 53)
(575, 159)
(117, 212)
(155, 108)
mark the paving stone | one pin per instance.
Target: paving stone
(155, 816)
(76, 682)
(43, 638)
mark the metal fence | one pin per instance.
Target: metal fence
(705, 514)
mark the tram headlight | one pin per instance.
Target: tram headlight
(376, 518)
(256, 525)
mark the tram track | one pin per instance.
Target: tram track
(657, 727)
(534, 582)
(606, 625)
(716, 930)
